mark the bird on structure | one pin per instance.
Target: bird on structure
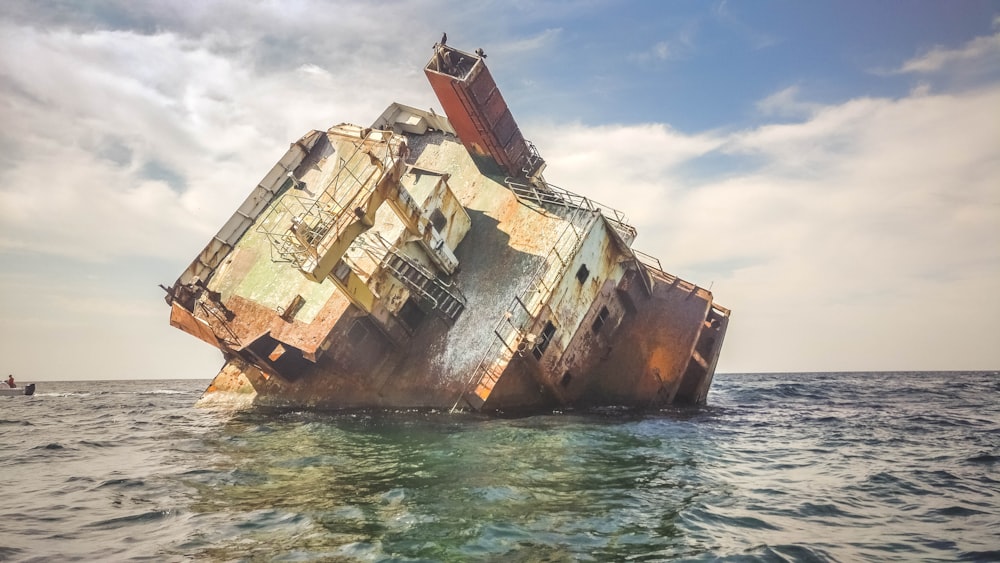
(444, 38)
(481, 53)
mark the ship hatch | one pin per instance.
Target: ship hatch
(276, 357)
(359, 331)
(599, 320)
(439, 220)
(411, 314)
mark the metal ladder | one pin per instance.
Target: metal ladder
(417, 279)
(511, 328)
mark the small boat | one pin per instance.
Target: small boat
(28, 389)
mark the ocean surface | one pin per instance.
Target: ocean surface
(781, 467)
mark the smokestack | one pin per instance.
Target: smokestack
(478, 112)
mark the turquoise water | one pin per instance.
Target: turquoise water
(794, 467)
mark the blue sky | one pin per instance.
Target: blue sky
(831, 169)
(699, 65)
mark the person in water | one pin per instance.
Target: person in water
(10, 381)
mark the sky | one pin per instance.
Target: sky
(830, 169)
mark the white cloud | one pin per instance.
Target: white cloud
(131, 133)
(660, 51)
(786, 103)
(981, 53)
(867, 228)
(88, 124)
(540, 40)
(756, 38)
(863, 235)
(131, 144)
(124, 143)
(678, 46)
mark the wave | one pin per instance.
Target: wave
(141, 518)
(16, 422)
(984, 458)
(113, 392)
(783, 467)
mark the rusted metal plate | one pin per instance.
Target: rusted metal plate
(479, 113)
(183, 319)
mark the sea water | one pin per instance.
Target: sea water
(777, 467)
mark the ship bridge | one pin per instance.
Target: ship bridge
(334, 199)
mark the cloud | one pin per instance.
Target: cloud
(873, 205)
(106, 148)
(981, 54)
(623, 165)
(756, 38)
(540, 40)
(120, 143)
(786, 103)
(132, 131)
(855, 235)
(680, 45)
(160, 120)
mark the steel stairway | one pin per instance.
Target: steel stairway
(444, 299)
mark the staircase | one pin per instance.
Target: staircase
(486, 375)
(510, 339)
(444, 299)
(512, 329)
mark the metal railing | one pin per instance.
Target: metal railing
(524, 309)
(533, 159)
(226, 334)
(651, 263)
(382, 253)
(648, 260)
(299, 227)
(549, 194)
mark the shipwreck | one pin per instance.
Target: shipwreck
(424, 262)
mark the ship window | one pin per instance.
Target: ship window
(341, 270)
(599, 320)
(583, 273)
(438, 220)
(543, 340)
(566, 378)
(411, 314)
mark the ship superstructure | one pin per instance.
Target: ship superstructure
(424, 261)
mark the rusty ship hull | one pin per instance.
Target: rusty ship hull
(424, 262)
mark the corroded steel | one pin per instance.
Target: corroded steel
(478, 112)
(388, 266)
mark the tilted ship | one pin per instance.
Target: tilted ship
(424, 262)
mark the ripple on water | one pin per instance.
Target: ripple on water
(138, 518)
(804, 467)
